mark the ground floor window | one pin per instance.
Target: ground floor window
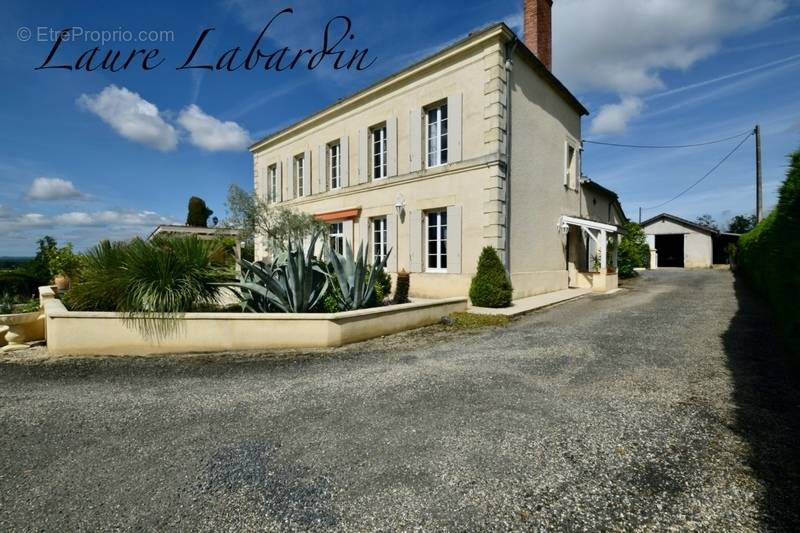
(379, 240)
(436, 232)
(337, 237)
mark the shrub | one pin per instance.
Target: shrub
(767, 255)
(403, 284)
(490, 286)
(150, 282)
(634, 252)
(383, 287)
(64, 262)
(198, 213)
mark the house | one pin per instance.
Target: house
(477, 145)
(598, 204)
(676, 242)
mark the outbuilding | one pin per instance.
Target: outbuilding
(676, 242)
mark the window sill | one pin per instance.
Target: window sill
(435, 271)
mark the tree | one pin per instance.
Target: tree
(198, 213)
(741, 223)
(634, 252)
(273, 225)
(39, 268)
(708, 222)
(490, 286)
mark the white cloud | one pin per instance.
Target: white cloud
(44, 188)
(628, 42)
(109, 218)
(210, 133)
(614, 118)
(75, 219)
(131, 116)
(31, 220)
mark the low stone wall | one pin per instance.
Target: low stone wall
(101, 333)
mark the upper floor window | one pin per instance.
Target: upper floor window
(571, 167)
(379, 153)
(336, 237)
(436, 130)
(300, 174)
(272, 176)
(335, 165)
(379, 239)
(436, 247)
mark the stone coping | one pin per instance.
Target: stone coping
(109, 333)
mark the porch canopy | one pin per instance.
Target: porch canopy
(597, 231)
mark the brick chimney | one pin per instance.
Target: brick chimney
(539, 30)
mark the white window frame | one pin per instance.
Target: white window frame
(336, 236)
(335, 165)
(379, 150)
(272, 176)
(379, 244)
(570, 166)
(440, 238)
(436, 136)
(300, 173)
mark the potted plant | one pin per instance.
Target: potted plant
(63, 266)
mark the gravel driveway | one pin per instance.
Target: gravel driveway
(664, 406)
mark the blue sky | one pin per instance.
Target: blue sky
(91, 155)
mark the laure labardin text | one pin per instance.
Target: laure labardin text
(337, 31)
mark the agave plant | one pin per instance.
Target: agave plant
(355, 278)
(252, 286)
(293, 283)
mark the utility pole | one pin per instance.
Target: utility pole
(640, 215)
(759, 185)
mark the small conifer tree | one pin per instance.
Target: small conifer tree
(490, 286)
(198, 213)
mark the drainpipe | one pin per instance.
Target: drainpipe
(510, 47)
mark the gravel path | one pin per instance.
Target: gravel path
(664, 406)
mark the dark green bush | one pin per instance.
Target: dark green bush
(198, 213)
(490, 286)
(403, 284)
(767, 256)
(633, 252)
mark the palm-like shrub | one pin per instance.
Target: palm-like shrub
(102, 279)
(151, 282)
(490, 286)
(355, 278)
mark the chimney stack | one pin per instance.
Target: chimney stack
(539, 30)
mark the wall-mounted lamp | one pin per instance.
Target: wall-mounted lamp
(400, 205)
(563, 227)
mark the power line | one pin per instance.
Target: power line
(707, 174)
(669, 145)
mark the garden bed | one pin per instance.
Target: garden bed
(107, 333)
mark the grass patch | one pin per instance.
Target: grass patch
(471, 321)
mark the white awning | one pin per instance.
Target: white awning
(587, 224)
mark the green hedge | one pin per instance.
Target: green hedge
(768, 256)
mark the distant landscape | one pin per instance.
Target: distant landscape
(13, 262)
